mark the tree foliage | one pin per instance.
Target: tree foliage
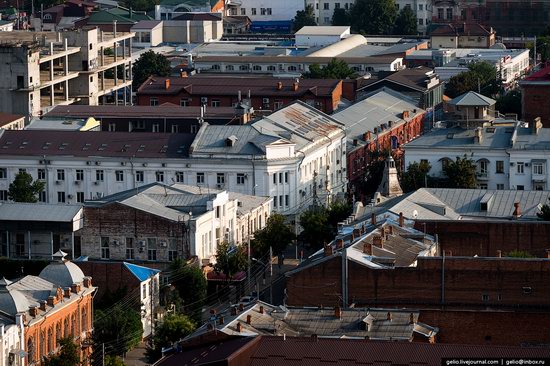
(460, 173)
(117, 326)
(543, 47)
(481, 76)
(69, 354)
(544, 213)
(340, 17)
(335, 69)
(230, 260)
(416, 176)
(113, 361)
(173, 328)
(24, 189)
(276, 234)
(149, 63)
(304, 18)
(373, 16)
(338, 211)
(191, 285)
(316, 231)
(510, 102)
(516, 253)
(406, 22)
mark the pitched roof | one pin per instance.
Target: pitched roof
(146, 24)
(414, 78)
(198, 16)
(463, 29)
(6, 118)
(140, 272)
(38, 212)
(543, 75)
(472, 98)
(95, 144)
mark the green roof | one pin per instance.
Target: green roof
(118, 14)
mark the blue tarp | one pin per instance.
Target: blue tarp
(141, 273)
(272, 26)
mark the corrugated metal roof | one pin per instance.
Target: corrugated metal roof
(212, 139)
(38, 212)
(472, 99)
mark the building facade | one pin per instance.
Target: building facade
(535, 90)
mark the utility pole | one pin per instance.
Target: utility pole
(103, 354)
(249, 260)
(271, 275)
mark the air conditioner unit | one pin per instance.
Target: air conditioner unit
(144, 164)
(58, 182)
(220, 185)
(77, 182)
(96, 183)
(204, 100)
(116, 242)
(163, 244)
(164, 165)
(88, 163)
(512, 164)
(188, 165)
(98, 163)
(122, 163)
(265, 100)
(526, 164)
(70, 196)
(142, 243)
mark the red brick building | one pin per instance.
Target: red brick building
(219, 91)
(535, 96)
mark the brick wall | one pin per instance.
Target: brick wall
(535, 103)
(471, 282)
(469, 238)
(109, 277)
(118, 222)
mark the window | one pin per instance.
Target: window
(112, 127)
(3, 173)
(175, 128)
(538, 168)
(200, 178)
(440, 13)
(449, 13)
(243, 11)
(278, 104)
(3, 195)
(129, 248)
(153, 102)
(325, 6)
(144, 291)
(156, 127)
(281, 177)
(61, 197)
(159, 176)
(230, 68)
(271, 68)
(253, 10)
(420, 7)
(257, 68)
(269, 12)
(240, 178)
(500, 187)
(42, 174)
(220, 178)
(275, 202)
(80, 197)
(172, 255)
(292, 68)
(327, 20)
(179, 177)
(520, 188)
(119, 176)
(499, 167)
(99, 175)
(281, 201)
(336, 5)
(286, 177)
(60, 174)
(41, 196)
(484, 297)
(184, 102)
(105, 251)
(520, 168)
(420, 21)
(152, 249)
(274, 178)
(139, 176)
(215, 103)
(483, 165)
(286, 199)
(243, 68)
(263, 11)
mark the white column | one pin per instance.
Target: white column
(29, 240)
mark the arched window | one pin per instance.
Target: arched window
(229, 68)
(73, 325)
(42, 344)
(67, 329)
(292, 68)
(58, 334)
(271, 68)
(243, 67)
(31, 351)
(445, 162)
(84, 323)
(50, 340)
(215, 67)
(257, 68)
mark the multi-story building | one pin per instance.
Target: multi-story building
(462, 35)
(47, 69)
(260, 93)
(421, 8)
(296, 154)
(535, 92)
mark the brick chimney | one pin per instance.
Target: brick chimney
(339, 243)
(499, 253)
(241, 307)
(43, 305)
(87, 282)
(67, 292)
(338, 312)
(239, 327)
(248, 319)
(314, 337)
(390, 229)
(74, 288)
(328, 249)
(261, 309)
(167, 84)
(401, 219)
(373, 218)
(389, 316)
(448, 253)
(294, 86)
(378, 241)
(367, 248)
(33, 311)
(405, 114)
(51, 301)
(517, 210)
(221, 320)
(279, 85)
(233, 311)
(367, 136)
(356, 233)
(478, 135)
(209, 326)
(536, 125)
(411, 318)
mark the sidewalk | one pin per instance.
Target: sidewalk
(136, 357)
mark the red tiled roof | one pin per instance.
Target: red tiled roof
(541, 75)
(197, 85)
(96, 144)
(6, 118)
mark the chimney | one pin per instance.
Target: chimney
(87, 282)
(389, 316)
(338, 312)
(328, 249)
(536, 125)
(390, 229)
(405, 114)
(411, 318)
(373, 219)
(517, 211)
(239, 327)
(221, 320)
(167, 84)
(33, 311)
(363, 230)
(401, 219)
(355, 142)
(241, 307)
(294, 86)
(314, 337)
(210, 327)
(356, 233)
(261, 309)
(478, 135)
(378, 241)
(248, 319)
(51, 301)
(74, 288)
(339, 243)
(43, 305)
(499, 253)
(233, 311)
(367, 248)
(367, 136)
(279, 85)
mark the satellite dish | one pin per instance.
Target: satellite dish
(415, 214)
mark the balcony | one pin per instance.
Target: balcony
(482, 176)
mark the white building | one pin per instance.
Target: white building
(320, 35)
(12, 338)
(263, 10)
(284, 155)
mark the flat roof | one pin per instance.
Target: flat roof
(322, 30)
(38, 212)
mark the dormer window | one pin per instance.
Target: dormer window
(231, 140)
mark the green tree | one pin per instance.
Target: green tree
(173, 328)
(191, 285)
(149, 63)
(340, 17)
(543, 48)
(374, 172)
(113, 361)
(338, 211)
(510, 102)
(276, 234)
(335, 69)
(68, 355)
(119, 328)
(481, 76)
(24, 189)
(406, 22)
(316, 230)
(304, 18)
(416, 176)
(544, 213)
(460, 173)
(516, 253)
(373, 16)
(230, 260)
(141, 5)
